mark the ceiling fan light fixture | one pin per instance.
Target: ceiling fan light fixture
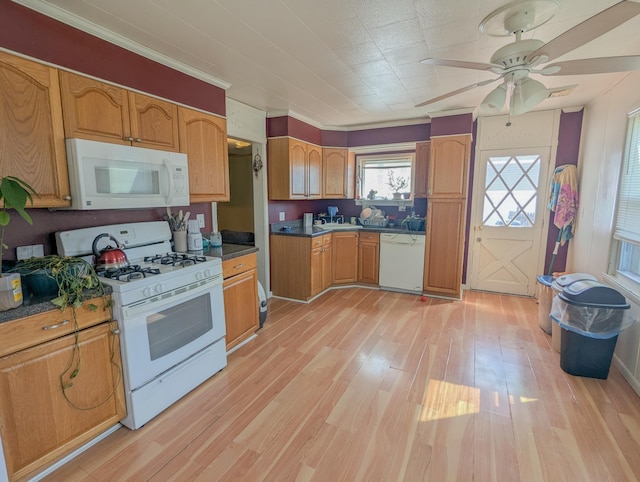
(527, 94)
(495, 99)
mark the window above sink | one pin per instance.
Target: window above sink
(385, 179)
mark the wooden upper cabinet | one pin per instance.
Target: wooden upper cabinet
(338, 174)
(31, 130)
(449, 166)
(298, 169)
(94, 110)
(294, 169)
(102, 112)
(314, 172)
(422, 163)
(203, 137)
(154, 122)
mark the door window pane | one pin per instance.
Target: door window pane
(511, 191)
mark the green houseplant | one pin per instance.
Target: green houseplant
(14, 194)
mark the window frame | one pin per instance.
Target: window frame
(361, 159)
(630, 284)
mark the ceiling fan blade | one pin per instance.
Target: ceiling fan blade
(462, 64)
(588, 30)
(602, 65)
(456, 92)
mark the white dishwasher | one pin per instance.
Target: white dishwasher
(401, 262)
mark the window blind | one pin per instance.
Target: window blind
(628, 216)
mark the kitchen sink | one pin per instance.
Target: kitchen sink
(340, 226)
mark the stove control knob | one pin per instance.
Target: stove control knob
(208, 273)
(147, 292)
(199, 275)
(158, 288)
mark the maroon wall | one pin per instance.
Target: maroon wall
(25, 31)
(567, 153)
(452, 125)
(288, 126)
(294, 209)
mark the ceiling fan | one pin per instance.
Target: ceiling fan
(515, 61)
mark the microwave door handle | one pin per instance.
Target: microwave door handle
(169, 198)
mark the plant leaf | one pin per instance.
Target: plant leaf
(15, 196)
(4, 217)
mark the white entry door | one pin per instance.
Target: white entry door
(508, 211)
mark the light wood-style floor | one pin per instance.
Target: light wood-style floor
(364, 385)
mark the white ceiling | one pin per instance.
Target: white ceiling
(338, 63)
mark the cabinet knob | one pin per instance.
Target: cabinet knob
(128, 138)
(66, 198)
(137, 139)
(57, 325)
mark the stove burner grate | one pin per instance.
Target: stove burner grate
(175, 259)
(129, 273)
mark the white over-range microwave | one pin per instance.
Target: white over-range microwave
(113, 176)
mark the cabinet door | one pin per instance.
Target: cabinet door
(297, 169)
(444, 247)
(326, 266)
(94, 110)
(31, 132)
(422, 163)
(334, 173)
(39, 423)
(369, 258)
(345, 257)
(317, 270)
(291, 266)
(241, 307)
(449, 166)
(278, 170)
(203, 138)
(314, 172)
(154, 122)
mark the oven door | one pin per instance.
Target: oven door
(162, 334)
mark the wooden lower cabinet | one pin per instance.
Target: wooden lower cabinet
(320, 264)
(240, 287)
(345, 257)
(368, 258)
(300, 266)
(40, 424)
(444, 247)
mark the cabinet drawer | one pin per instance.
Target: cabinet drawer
(369, 237)
(32, 330)
(317, 241)
(232, 267)
(326, 239)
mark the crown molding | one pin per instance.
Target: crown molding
(295, 115)
(91, 28)
(569, 110)
(450, 112)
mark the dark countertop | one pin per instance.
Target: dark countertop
(32, 305)
(313, 231)
(230, 251)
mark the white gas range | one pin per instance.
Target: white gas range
(170, 312)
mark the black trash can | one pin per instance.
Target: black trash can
(590, 315)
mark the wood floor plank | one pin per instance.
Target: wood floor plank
(364, 385)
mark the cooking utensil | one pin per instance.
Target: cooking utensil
(109, 257)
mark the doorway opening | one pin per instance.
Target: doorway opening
(236, 216)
